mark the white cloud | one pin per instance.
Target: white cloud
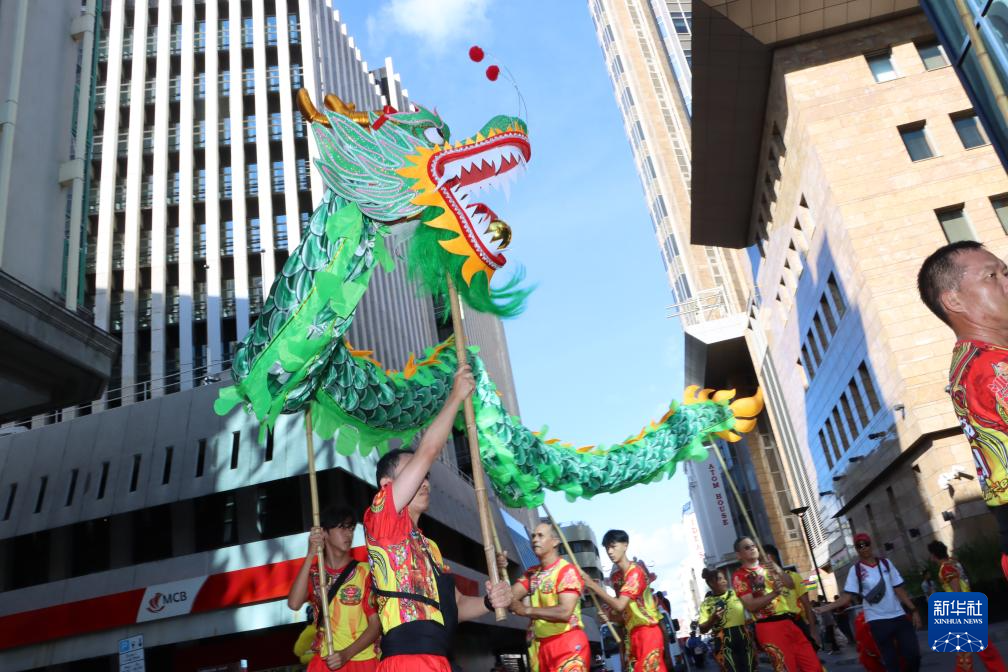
(437, 24)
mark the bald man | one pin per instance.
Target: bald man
(554, 587)
(967, 288)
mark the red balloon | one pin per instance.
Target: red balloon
(475, 53)
(492, 73)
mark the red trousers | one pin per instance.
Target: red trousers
(414, 662)
(646, 649)
(318, 664)
(568, 652)
(787, 647)
(990, 656)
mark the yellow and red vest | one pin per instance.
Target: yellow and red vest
(544, 586)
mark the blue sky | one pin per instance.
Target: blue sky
(594, 355)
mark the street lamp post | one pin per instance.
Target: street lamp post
(800, 512)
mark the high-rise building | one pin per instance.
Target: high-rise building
(202, 182)
(648, 47)
(836, 146)
(51, 352)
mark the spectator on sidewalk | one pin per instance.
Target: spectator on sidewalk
(878, 582)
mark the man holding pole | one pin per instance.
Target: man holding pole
(636, 602)
(418, 604)
(353, 621)
(761, 590)
(554, 587)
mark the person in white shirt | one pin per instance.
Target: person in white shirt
(878, 583)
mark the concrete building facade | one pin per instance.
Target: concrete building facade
(202, 180)
(51, 352)
(857, 153)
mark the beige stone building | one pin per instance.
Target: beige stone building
(647, 45)
(834, 143)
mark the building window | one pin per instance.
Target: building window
(838, 300)
(1000, 205)
(932, 53)
(916, 141)
(971, 133)
(227, 238)
(275, 126)
(869, 389)
(277, 177)
(252, 179)
(280, 232)
(881, 65)
(825, 449)
(955, 225)
(254, 244)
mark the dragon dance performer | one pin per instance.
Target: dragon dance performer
(352, 614)
(967, 288)
(418, 603)
(761, 590)
(554, 588)
(953, 580)
(797, 599)
(722, 613)
(635, 601)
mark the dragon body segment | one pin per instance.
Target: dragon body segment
(379, 171)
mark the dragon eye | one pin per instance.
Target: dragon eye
(433, 135)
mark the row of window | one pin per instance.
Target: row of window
(173, 236)
(851, 415)
(825, 324)
(135, 461)
(175, 87)
(274, 510)
(883, 69)
(200, 36)
(956, 224)
(920, 145)
(199, 185)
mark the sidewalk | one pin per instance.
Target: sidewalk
(998, 634)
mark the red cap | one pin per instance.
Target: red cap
(861, 536)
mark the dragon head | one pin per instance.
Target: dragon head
(401, 166)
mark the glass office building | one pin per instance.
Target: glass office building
(974, 34)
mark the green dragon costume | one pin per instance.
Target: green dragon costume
(399, 169)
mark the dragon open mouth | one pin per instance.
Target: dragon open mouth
(484, 163)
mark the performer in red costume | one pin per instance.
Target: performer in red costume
(554, 586)
(761, 590)
(418, 603)
(967, 288)
(636, 602)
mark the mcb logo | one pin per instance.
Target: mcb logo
(957, 622)
(158, 603)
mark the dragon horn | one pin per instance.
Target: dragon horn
(333, 103)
